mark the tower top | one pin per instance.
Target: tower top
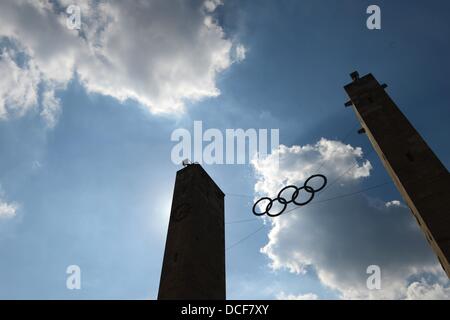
(197, 167)
(354, 75)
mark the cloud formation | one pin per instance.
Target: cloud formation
(393, 203)
(7, 210)
(160, 53)
(306, 296)
(297, 163)
(424, 291)
(339, 239)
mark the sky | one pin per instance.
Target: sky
(86, 118)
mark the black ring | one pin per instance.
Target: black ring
(295, 195)
(314, 176)
(283, 200)
(269, 206)
(262, 213)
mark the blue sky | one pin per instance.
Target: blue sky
(85, 145)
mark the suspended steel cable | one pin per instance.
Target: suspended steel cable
(246, 237)
(316, 202)
(321, 201)
(242, 221)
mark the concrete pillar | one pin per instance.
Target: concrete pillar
(419, 175)
(194, 258)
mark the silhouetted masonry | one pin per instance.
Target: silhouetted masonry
(421, 178)
(194, 258)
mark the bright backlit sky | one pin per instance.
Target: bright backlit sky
(86, 117)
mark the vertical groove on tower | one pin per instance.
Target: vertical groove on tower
(194, 257)
(419, 175)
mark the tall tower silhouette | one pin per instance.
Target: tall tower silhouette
(419, 175)
(194, 258)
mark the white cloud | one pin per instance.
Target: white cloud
(339, 239)
(296, 163)
(306, 296)
(50, 107)
(18, 86)
(7, 210)
(424, 291)
(211, 5)
(159, 53)
(240, 52)
(395, 203)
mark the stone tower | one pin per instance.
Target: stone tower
(194, 258)
(419, 175)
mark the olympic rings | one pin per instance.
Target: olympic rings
(296, 193)
(284, 202)
(256, 203)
